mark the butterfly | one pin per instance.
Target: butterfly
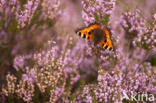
(97, 34)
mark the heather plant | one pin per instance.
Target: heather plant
(68, 69)
(22, 23)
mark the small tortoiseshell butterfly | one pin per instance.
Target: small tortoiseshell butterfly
(94, 32)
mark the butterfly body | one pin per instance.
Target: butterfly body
(94, 32)
(98, 36)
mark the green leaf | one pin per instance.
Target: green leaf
(94, 101)
(72, 97)
(13, 26)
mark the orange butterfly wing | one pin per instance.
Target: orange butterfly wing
(107, 44)
(87, 31)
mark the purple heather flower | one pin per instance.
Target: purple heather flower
(98, 7)
(144, 34)
(3, 2)
(18, 63)
(30, 76)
